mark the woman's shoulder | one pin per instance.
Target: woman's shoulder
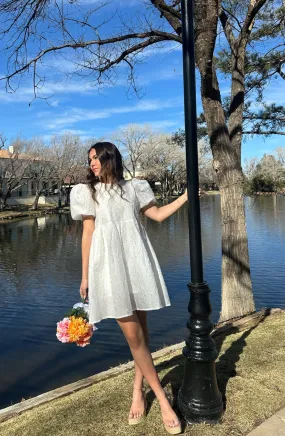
(80, 186)
(81, 202)
(139, 183)
(80, 191)
(143, 191)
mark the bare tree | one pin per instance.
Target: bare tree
(66, 152)
(79, 169)
(3, 140)
(250, 167)
(207, 175)
(42, 168)
(266, 174)
(280, 153)
(273, 169)
(132, 141)
(164, 161)
(13, 170)
(270, 171)
(245, 24)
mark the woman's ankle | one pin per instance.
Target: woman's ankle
(162, 398)
(138, 387)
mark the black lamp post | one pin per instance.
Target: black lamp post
(199, 398)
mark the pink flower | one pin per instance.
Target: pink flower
(62, 330)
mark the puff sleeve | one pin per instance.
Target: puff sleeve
(81, 202)
(144, 192)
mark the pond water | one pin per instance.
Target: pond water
(40, 276)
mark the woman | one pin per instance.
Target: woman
(120, 270)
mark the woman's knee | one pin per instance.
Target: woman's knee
(132, 330)
(135, 338)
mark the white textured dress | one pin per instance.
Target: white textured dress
(124, 274)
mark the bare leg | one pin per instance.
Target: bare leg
(138, 402)
(142, 316)
(134, 335)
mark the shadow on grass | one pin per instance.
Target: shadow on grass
(225, 367)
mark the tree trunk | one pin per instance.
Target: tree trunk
(36, 201)
(4, 199)
(60, 196)
(237, 297)
(67, 196)
(2, 205)
(235, 256)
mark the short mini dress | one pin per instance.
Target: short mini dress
(124, 274)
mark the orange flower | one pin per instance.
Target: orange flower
(86, 339)
(79, 330)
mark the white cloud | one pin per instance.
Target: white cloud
(161, 49)
(53, 92)
(162, 125)
(72, 131)
(54, 103)
(83, 134)
(75, 115)
(156, 125)
(19, 96)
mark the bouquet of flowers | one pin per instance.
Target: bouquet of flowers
(75, 326)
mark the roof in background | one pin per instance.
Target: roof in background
(5, 154)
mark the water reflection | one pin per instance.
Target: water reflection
(40, 275)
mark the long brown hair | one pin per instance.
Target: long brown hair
(112, 170)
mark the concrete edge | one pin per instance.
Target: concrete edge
(17, 409)
(275, 423)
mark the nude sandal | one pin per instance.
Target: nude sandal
(135, 421)
(173, 430)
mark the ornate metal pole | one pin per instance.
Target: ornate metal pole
(199, 398)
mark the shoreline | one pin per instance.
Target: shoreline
(18, 213)
(220, 333)
(15, 215)
(8, 216)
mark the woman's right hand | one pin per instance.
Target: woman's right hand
(84, 289)
(186, 193)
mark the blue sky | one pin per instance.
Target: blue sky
(78, 107)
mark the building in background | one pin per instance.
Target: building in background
(16, 178)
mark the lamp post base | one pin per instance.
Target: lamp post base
(199, 398)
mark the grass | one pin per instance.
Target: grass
(250, 371)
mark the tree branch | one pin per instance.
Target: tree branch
(227, 29)
(260, 117)
(154, 37)
(133, 49)
(3, 140)
(269, 132)
(279, 69)
(253, 9)
(170, 14)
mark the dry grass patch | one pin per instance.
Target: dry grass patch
(250, 370)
